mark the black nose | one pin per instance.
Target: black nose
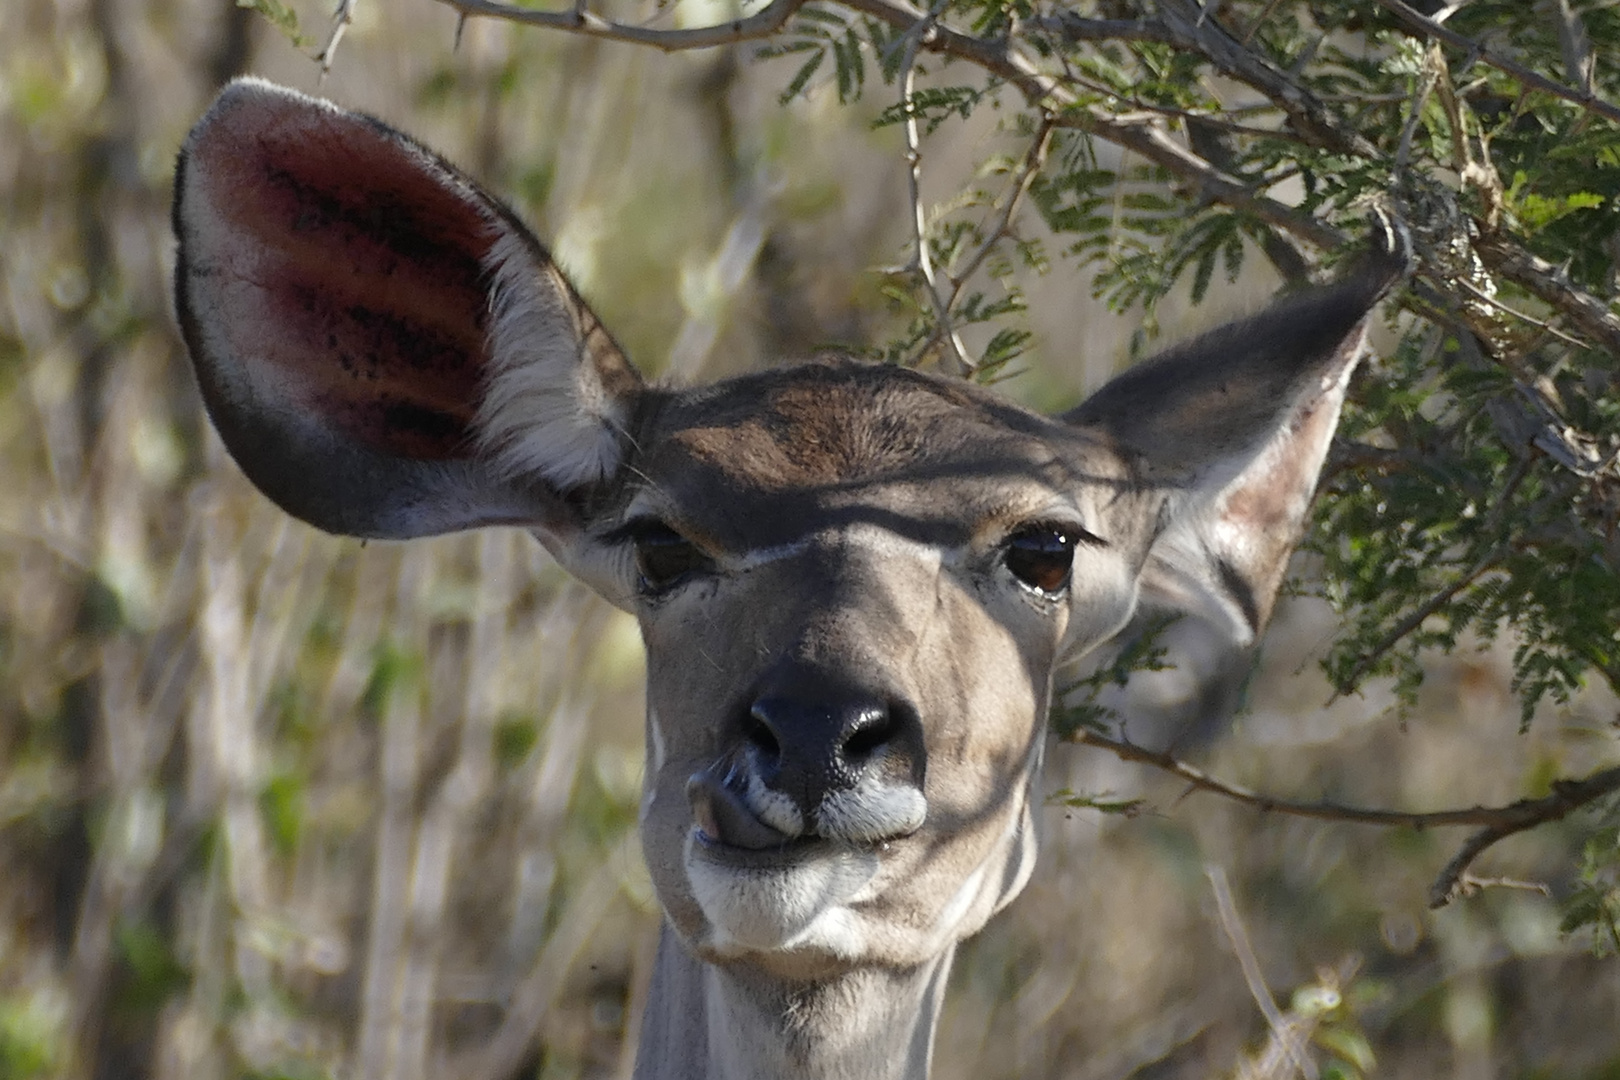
(812, 736)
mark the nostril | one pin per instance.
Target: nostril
(761, 737)
(873, 731)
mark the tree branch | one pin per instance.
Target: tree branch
(1072, 27)
(763, 23)
(1144, 136)
(1567, 796)
(1552, 285)
(1426, 26)
(342, 19)
(1285, 1036)
(1416, 617)
(1496, 822)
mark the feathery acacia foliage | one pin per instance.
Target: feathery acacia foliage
(1475, 492)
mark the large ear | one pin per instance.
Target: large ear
(384, 348)
(1234, 427)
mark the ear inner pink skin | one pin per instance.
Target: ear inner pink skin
(343, 240)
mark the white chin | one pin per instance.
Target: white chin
(800, 906)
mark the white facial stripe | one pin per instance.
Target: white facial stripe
(874, 539)
(964, 899)
(765, 556)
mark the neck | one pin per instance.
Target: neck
(707, 1022)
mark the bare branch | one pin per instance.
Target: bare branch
(1072, 27)
(1496, 822)
(1428, 27)
(1150, 140)
(763, 23)
(1194, 28)
(1144, 136)
(1573, 42)
(1567, 796)
(1415, 618)
(1199, 780)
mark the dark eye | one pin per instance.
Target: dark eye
(1042, 556)
(664, 556)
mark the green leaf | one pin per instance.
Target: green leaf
(279, 15)
(1105, 804)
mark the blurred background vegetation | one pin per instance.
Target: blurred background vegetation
(275, 805)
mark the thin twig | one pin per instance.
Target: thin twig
(1428, 27)
(1415, 618)
(1486, 298)
(1072, 27)
(1282, 1032)
(1197, 779)
(1471, 884)
(1420, 97)
(1574, 43)
(1259, 21)
(922, 258)
(763, 23)
(342, 16)
(1553, 286)
(1150, 140)
(1028, 169)
(1143, 136)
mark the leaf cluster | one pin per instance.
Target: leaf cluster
(1474, 494)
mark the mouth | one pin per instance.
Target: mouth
(726, 832)
(790, 852)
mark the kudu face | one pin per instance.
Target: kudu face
(853, 581)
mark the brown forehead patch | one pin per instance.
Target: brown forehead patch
(827, 424)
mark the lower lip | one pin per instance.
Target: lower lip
(784, 856)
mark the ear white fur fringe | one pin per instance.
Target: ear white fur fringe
(545, 410)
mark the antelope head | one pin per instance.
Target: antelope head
(853, 580)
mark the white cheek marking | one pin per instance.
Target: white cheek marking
(655, 735)
(955, 911)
